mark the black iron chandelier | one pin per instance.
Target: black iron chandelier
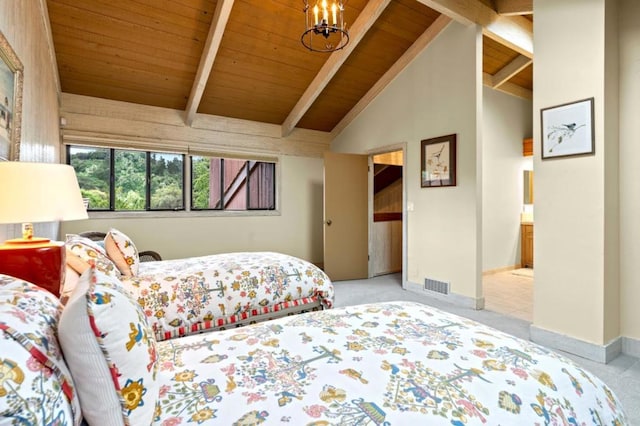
(324, 20)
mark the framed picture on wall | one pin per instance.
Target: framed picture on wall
(567, 129)
(438, 159)
(10, 101)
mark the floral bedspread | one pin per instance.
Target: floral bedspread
(380, 364)
(190, 295)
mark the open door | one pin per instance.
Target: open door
(346, 234)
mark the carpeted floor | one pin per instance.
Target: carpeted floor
(622, 374)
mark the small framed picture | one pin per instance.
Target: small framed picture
(567, 129)
(438, 159)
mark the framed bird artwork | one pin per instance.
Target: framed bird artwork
(568, 129)
(438, 158)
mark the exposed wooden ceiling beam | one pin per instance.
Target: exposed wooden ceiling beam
(508, 87)
(509, 70)
(514, 32)
(218, 24)
(365, 20)
(409, 55)
(466, 12)
(514, 7)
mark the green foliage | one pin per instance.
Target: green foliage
(166, 181)
(98, 200)
(92, 167)
(166, 184)
(129, 200)
(200, 179)
(130, 179)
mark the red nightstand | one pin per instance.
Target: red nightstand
(41, 263)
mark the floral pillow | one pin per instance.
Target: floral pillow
(36, 386)
(123, 252)
(71, 278)
(81, 251)
(111, 352)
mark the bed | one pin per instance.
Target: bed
(378, 364)
(396, 363)
(192, 295)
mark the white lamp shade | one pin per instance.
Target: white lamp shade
(39, 192)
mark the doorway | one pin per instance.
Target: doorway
(386, 203)
(376, 248)
(508, 279)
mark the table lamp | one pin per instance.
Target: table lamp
(37, 192)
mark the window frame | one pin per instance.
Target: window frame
(147, 179)
(247, 168)
(186, 211)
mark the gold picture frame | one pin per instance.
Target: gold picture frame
(11, 76)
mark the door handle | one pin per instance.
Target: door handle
(328, 222)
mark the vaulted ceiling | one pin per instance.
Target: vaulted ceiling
(244, 59)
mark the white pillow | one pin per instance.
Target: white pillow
(111, 352)
(122, 252)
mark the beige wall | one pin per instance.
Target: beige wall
(629, 36)
(506, 121)
(438, 94)
(297, 231)
(25, 25)
(576, 280)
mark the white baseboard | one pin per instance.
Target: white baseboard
(550, 339)
(631, 347)
(503, 269)
(456, 299)
(599, 353)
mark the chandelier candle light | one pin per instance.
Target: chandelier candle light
(317, 23)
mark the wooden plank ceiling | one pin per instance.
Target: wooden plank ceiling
(244, 59)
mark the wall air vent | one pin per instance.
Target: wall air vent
(437, 286)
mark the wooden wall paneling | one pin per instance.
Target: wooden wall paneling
(387, 247)
(123, 124)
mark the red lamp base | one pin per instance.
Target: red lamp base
(41, 263)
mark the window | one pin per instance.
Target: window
(93, 169)
(127, 180)
(232, 184)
